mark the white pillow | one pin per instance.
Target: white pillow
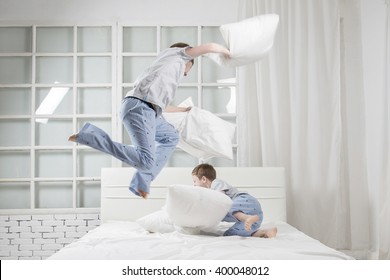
(208, 133)
(196, 207)
(248, 40)
(157, 222)
(203, 134)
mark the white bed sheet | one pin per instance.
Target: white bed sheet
(128, 240)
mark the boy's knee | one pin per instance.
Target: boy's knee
(146, 163)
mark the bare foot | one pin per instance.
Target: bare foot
(266, 233)
(143, 194)
(250, 221)
(72, 138)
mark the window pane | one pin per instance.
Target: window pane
(55, 39)
(104, 124)
(125, 90)
(172, 35)
(54, 101)
(14, 195)
(213, 73)
(15, 132)
(53, 133)
(54, 70)
(53, 195)
(15, 70)
(15, 39)
(53, 163)
(94, 100)
(219, 99)
(94, 70)
(88, 194)
(94, 39)
(133, 66)
(15, 164)
(15, 101)
(212, 34)
(182, 159)
(91, 162)
(139, 39)
(186, 92)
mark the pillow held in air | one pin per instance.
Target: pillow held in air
(248, 40)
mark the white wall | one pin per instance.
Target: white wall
(151, 12)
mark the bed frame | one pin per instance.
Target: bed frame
(267, 184)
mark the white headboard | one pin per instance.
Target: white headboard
(267, 184)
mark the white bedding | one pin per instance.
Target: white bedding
(128, 240)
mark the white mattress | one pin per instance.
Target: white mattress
(128, 240)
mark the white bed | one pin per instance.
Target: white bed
(120, 237)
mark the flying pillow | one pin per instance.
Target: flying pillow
(203, 134)
(248, 40)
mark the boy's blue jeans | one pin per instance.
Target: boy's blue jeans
(153, 141)
(246, 204)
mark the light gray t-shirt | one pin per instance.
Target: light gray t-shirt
(158, 83)
(219, 185)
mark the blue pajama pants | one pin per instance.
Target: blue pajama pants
(246, 204)
(153, 141)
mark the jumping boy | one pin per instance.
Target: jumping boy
(153, 139)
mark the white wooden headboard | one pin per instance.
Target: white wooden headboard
(267, 184)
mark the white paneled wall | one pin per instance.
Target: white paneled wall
(36, 237)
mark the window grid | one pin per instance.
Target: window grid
(117, 85)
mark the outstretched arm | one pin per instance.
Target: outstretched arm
(175, 109)
(208, 48)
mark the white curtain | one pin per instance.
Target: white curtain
(304, 107)
(384, 202)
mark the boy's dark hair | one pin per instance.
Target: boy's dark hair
(182, 45)
(205, 169)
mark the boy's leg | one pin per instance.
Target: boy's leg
(247, 213)
(139, 119)
(167, 138)
(139, 124)
(94, 137)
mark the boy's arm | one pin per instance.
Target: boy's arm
(208, 48)
(175, 109)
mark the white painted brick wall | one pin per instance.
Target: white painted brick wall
(37, 237)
